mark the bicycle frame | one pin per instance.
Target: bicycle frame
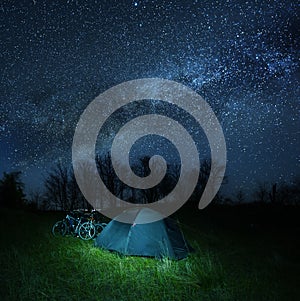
(73, 224)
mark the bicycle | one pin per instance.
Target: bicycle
(98, 228)
(92, 227)
(96, 219)
(74, 226)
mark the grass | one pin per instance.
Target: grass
(230, 263)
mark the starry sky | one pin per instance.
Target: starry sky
(242, 57)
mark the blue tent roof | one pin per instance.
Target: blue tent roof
(156, 239)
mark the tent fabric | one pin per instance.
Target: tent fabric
(161, 238)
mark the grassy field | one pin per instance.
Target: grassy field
(236, 258)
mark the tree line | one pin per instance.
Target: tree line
(61, 192)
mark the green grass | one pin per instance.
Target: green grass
(229, 264)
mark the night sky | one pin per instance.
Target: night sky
(242, 57)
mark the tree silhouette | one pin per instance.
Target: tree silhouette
(62, 191)
(273, 194)
(261, 193)
(12, 190)
(108, 175)
(281, 193)
(205, 172)
(240, 197)
(289, 193)
(148, 195)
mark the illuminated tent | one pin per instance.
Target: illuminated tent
(162, 238)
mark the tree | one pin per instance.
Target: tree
(289, 193)
(76, 199)
(280, 194)
(261, 193)
(240, 196)
(35, 200)
(273, 194)
(56, 187)
(62, 191)
(205, 172)
(159, 191)
(108, 175)
(12, 190)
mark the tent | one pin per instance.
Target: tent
(156, 239)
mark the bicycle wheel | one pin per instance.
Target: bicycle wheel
(86, 231)
(59, 228)
(99, 227)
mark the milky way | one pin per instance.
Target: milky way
(242, 57)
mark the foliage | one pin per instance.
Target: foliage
(62, 191)
(12, 190)
(278, 193)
